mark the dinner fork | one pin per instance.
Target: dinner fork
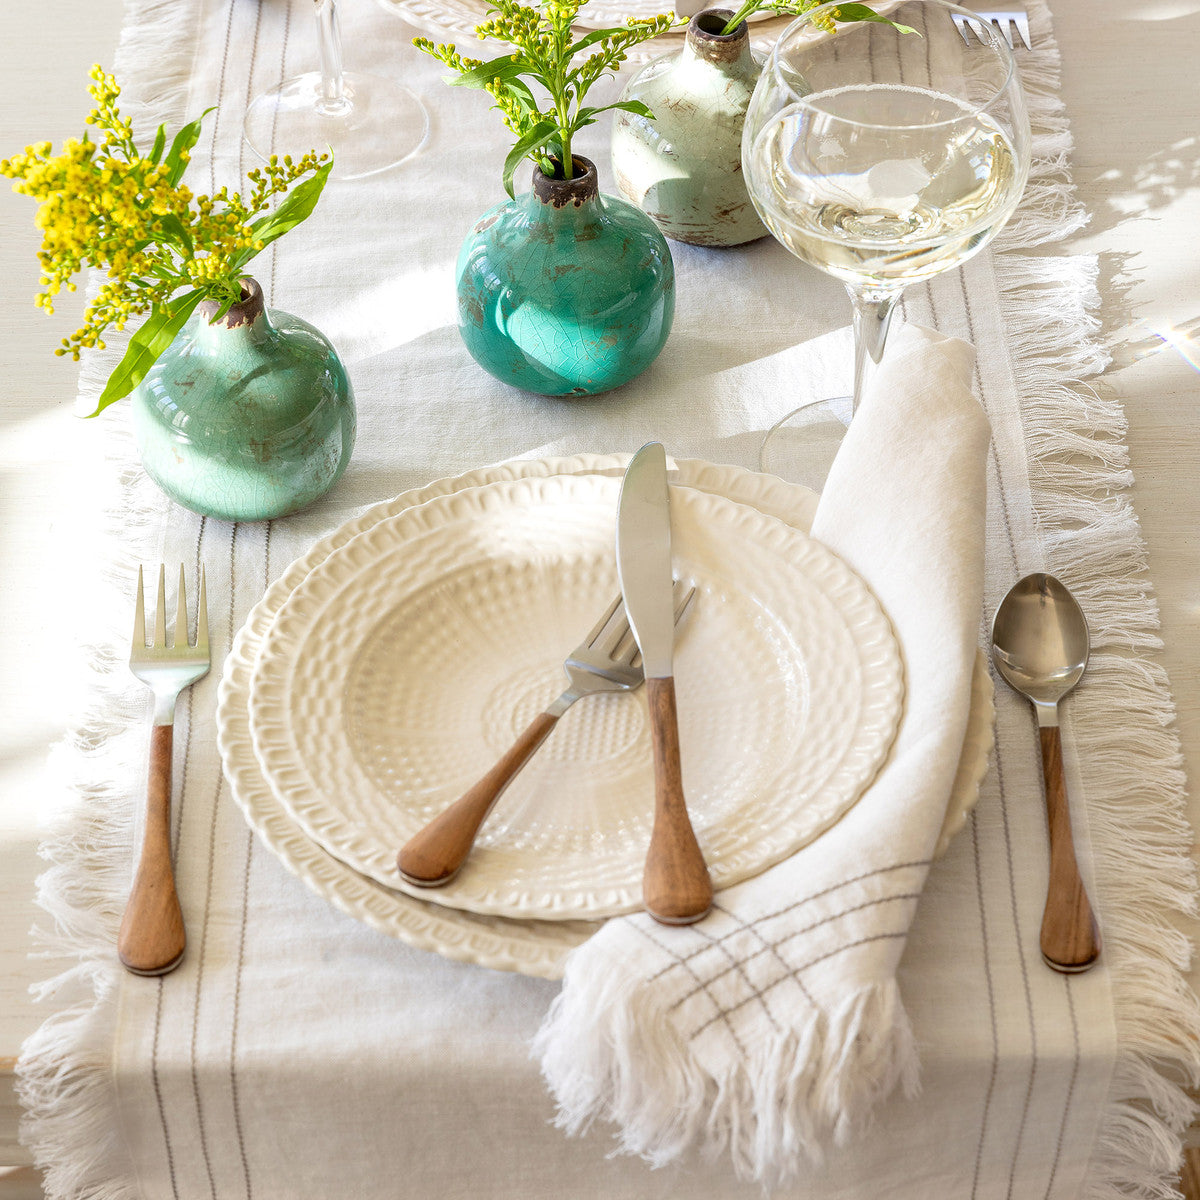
(607, 660)
(152, 938)
(1006, 21)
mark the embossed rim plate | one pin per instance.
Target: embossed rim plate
(457, 19)
(535, 948)
(402, 667)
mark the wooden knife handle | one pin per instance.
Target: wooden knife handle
(433, 856)
(676, 887)
(152, 937)
(1070, 939)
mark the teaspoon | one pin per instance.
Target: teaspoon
(1040, 645)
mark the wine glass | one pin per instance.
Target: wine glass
(882, 157)
(369, 122)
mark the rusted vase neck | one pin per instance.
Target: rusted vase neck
(245, 312)
(706, 41)
(580, 192)
(246, 320)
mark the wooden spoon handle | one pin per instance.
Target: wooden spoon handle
(1070, 939)
(676, 887)
(152, 937)
(433, 856)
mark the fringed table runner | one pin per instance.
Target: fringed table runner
(299, 1053)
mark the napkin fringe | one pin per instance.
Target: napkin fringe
(791, 1097)
(64, 1074)
(1136, 818)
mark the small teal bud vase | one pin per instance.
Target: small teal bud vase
(563, 291)
(246, 419)
(684, 168)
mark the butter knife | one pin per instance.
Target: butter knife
(676, 887)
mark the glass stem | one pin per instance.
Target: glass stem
(872, 317)
(333, 101)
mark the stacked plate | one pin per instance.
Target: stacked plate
(456, 20)
(389, 668)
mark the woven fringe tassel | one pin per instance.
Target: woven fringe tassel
(64, 1074)
(773, 1114)
(1079, 475)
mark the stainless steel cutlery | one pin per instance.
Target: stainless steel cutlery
(607, 660)
(1040, 645)
(152, 937)
(1006, 21)
(676, 886)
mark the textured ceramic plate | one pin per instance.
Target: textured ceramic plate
(455, 20)
(536, 948)
(405, 664)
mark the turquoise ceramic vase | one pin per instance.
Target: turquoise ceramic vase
(684, 168)
(563, 291)
(248, 418)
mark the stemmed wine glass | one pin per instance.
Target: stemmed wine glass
(882, 157)
(371, 123)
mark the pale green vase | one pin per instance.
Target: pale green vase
(246, 419)
(684, 167)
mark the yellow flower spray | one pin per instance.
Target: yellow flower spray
(106, 205)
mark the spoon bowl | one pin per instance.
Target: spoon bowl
(1040, 640)
(1040, 646)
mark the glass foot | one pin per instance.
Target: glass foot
(801, 446)
(375, 125)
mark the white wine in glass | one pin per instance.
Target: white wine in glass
(882, 157)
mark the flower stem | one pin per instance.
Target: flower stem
(749, 7)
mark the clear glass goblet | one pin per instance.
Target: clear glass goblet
(371, 123)
(883, 158)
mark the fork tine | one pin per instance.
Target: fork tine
(1023, 29)
(139, 616)
(160, 610)
(633, 654)
(594, 636)
(960, 24)
(202, 617)
(682, 607)
(1006, 27)
(181, 620)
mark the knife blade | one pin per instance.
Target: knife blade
(676, 887)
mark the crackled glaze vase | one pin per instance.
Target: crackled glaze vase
(684, 168)
(248, 418)
(564, 291)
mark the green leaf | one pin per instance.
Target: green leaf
(297, 207)
(482, 75)
(591, 39)
(520, 91)
(185, 139)
(631, 106)
(860, 12)
(155, 335)
(543, 132)
(160, 141)
(178, 233)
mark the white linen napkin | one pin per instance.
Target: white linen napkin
(773, 1027)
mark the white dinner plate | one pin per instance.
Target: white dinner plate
(402, 668)
(536, 948)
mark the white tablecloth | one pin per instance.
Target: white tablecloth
(296, 1053)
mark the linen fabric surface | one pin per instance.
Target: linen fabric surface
(296, 1052)
(773, 1026)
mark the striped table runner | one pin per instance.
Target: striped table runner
(297, 1053)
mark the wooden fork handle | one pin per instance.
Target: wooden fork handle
(1070, 940)
(433, 856)
(676, 887)
(152, 937)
